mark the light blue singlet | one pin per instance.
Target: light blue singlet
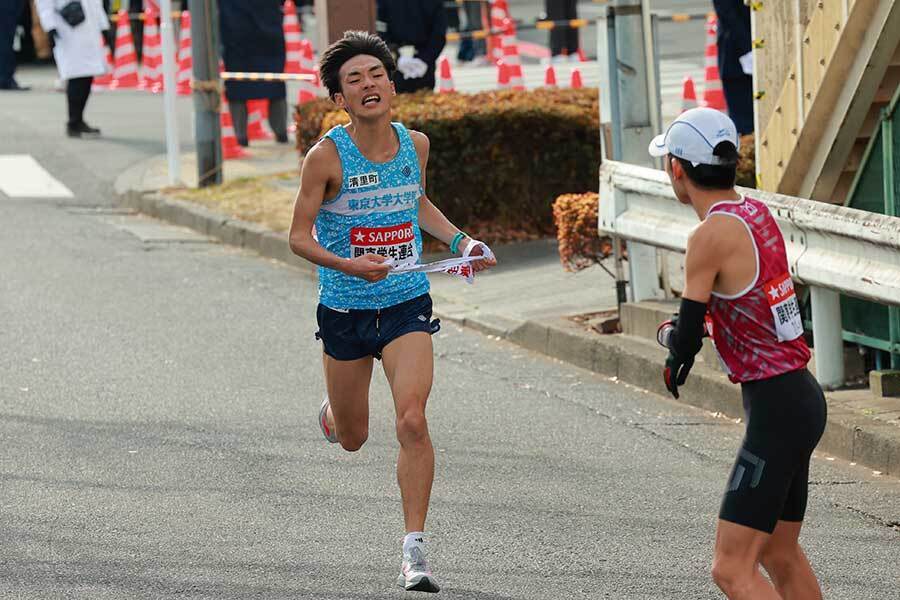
(375, 211)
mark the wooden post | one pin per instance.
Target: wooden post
(334, 17)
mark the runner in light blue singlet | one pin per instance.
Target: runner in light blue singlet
(376, 211)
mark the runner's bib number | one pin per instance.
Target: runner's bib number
(785, 309)
(397, 242)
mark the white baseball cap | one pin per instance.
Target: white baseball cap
(694, 135)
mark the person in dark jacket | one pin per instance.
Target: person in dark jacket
(735, 66)
(415, 31)
(563, 40)
(253, 41)
(10, 10)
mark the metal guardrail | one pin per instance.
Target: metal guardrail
(844, 249)
(832, 249)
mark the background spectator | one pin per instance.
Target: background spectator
(10, 11)
(79, 55)
(734, 44)
(420, 25)
(253, 41)
(475, 13)
(563, 40)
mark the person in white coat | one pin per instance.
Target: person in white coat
(75, 28)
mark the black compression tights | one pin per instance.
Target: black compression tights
(77, 92)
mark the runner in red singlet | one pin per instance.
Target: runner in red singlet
(736, 271)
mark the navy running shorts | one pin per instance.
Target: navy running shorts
(786, 417)
(353, 334)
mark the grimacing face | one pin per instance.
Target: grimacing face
(366, 89)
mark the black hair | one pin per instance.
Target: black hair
(714, 177)
(354, 43)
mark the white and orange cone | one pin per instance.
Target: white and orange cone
(445, 81)
(550, 77)
(511, 56)
(713, 94)
(292, 40)
(502, 75)
(307, 92)
(151, 62)
(688, 94)
(230, 147)
(307, 58)
(125, 75)
(185, 57)
(102, 82)
(499, 12)
(257, 111)
(575, 82)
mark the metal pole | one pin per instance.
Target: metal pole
(610, 136)
(652, 58)
(890, 209)
(207, 132)
(168, 50)
(827, 337)
(636, 127)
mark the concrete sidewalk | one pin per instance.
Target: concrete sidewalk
(529, 300)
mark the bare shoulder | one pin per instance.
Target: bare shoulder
(322, 152)
(322, 160)
(717, 233)
(420, 141)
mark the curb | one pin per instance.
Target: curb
(848, 435)
(234, 232)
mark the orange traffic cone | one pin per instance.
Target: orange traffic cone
(550, 77)
(125, 75)
(688, 94)
(103, 81)
(576, 82)
(230, 147)
(257, 111)
(713, 95)
(151, 64)
(307, 58)
(499, 12)
(445, 83)
(185, 57)
(511, 56)
(581, 55)
(502, 75)
(292, 42)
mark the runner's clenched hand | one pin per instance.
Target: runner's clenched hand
(370, 267)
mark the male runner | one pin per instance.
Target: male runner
(736, 270)
(363, 187)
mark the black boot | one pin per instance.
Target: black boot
(82, 130)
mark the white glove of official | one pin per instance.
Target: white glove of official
(412, 67)
(747, 63)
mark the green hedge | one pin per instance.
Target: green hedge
(499, 157)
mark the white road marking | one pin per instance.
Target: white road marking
(21, 176)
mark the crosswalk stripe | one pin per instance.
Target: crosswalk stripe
(21, 176)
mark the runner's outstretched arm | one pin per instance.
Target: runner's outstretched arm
(431, 219)
(317, 168)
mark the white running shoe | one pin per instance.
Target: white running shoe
(327, 431)
(415, 576)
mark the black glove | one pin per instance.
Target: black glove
(51, 37)
(676, 372)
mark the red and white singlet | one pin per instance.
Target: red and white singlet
(758, 333)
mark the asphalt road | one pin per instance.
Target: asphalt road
(158, 436)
